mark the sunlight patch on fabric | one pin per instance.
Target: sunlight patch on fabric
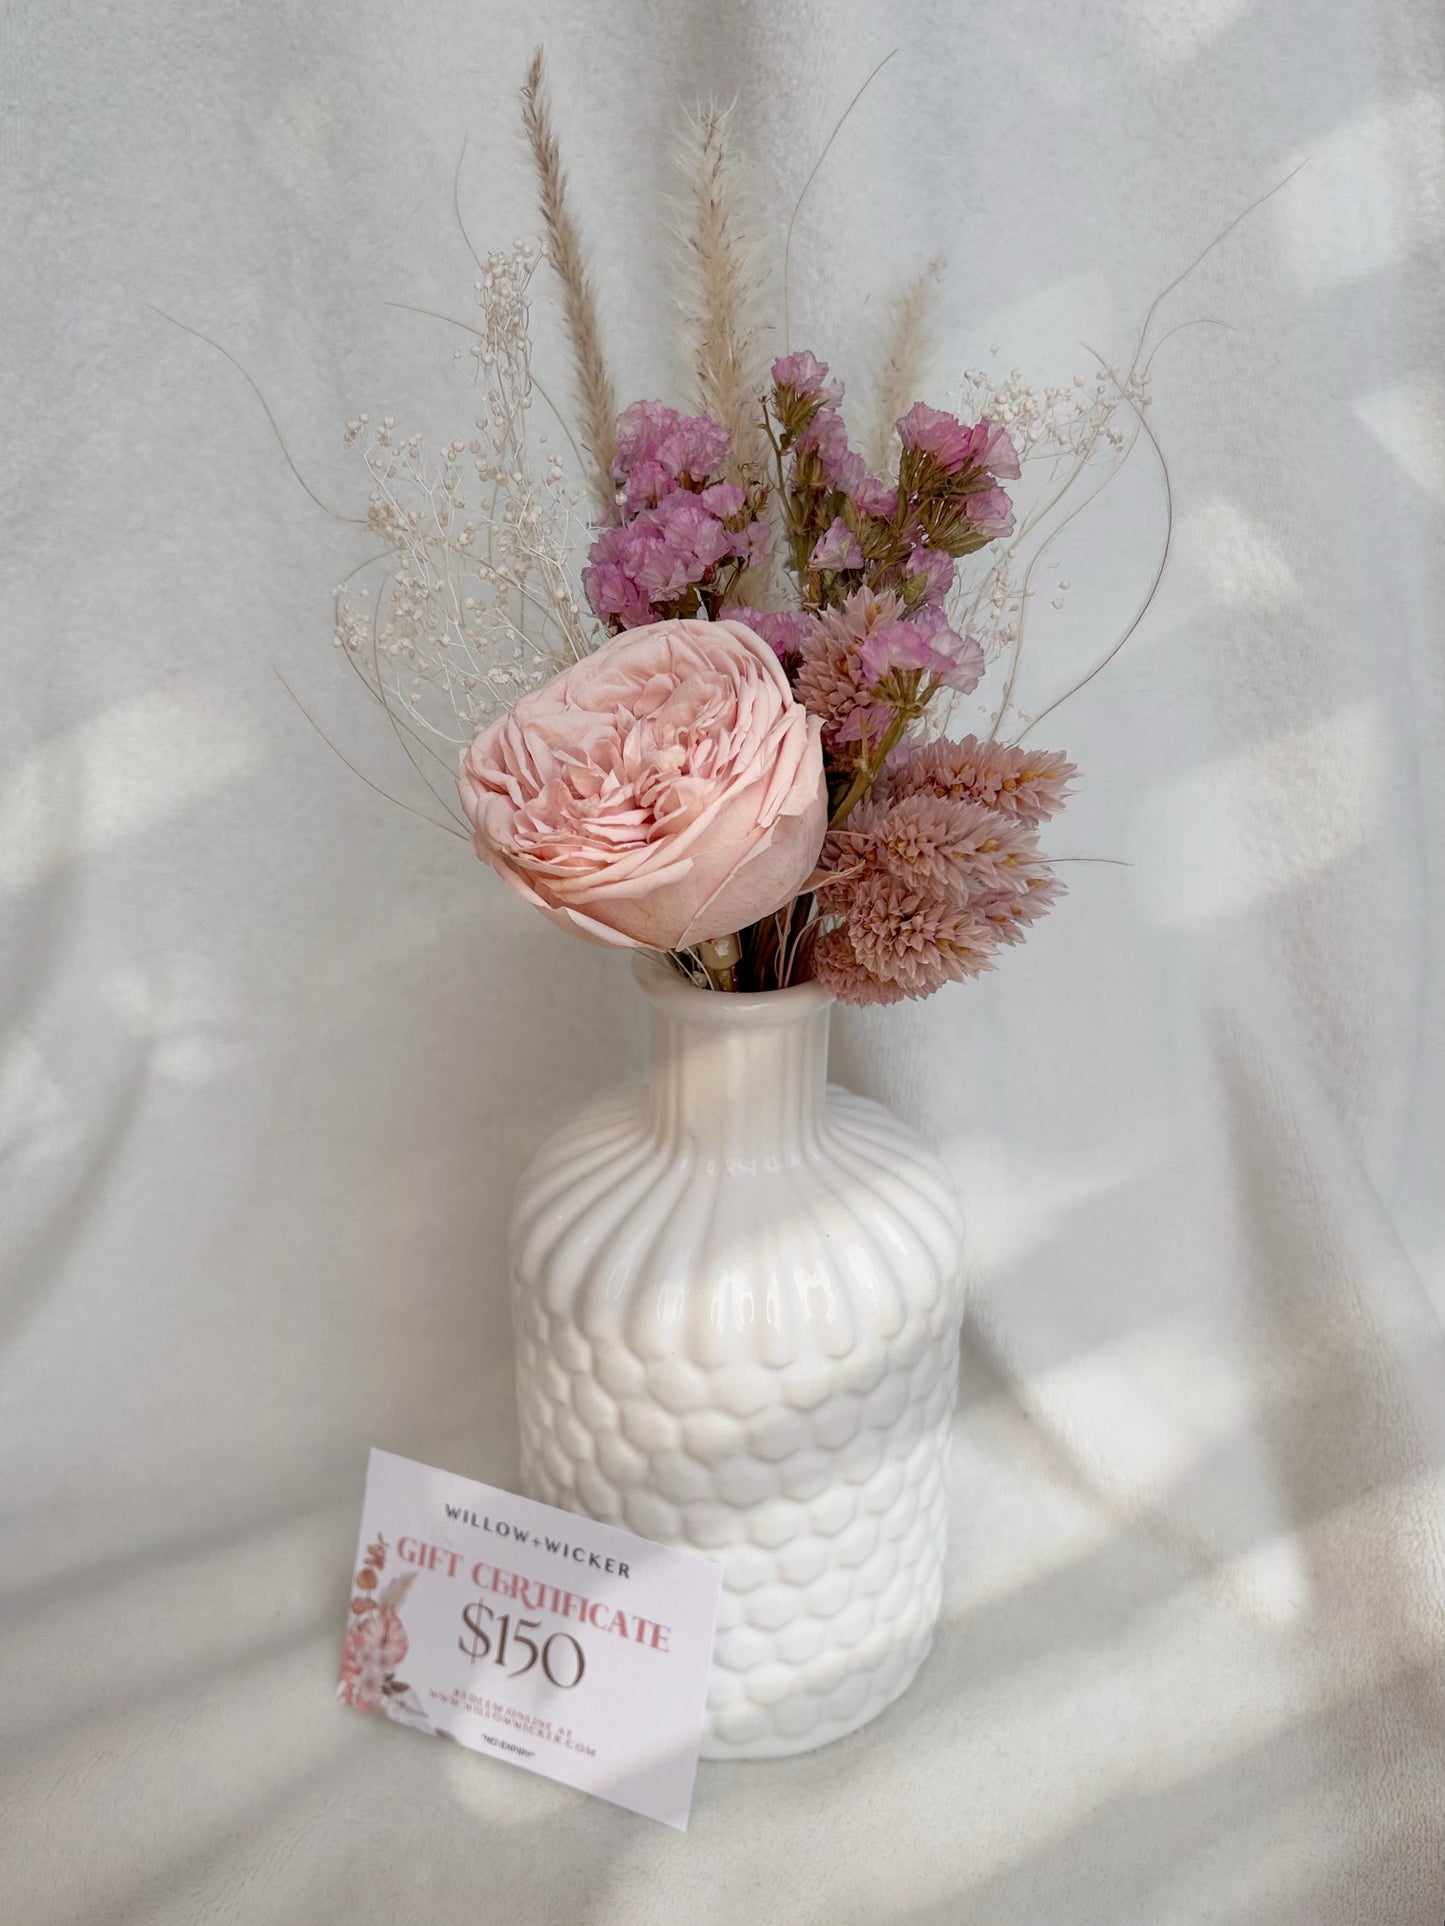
(117, 775)
(1237, 556)
(1245, 827)
(1357, 206)
(1406, 421)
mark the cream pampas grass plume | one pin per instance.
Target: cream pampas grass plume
(900, 378)
(596, 400)
(722, 336)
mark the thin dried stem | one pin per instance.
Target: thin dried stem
(596, 398)
(385, 794)
(838, 126)
(1025, 586)
(255, 387)
(1151, 591)
(1204, 253)
(902, 373)
(722, 332)
(1127, 391)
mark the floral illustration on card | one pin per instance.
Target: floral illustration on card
(376, 1643)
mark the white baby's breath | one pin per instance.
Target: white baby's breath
(477, 605)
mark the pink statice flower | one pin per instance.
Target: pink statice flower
(826, 437)
(801, 389)
(690, 527)
(965, 658)
(653, 559)
(954, 661)
(991, 448)
(836, 548)
(639, 432)
(963, 653)
(696, 448)
(934, 570)
(657, 450)
(661, 568)
(781, 629)
(802, 373)
(1030, 785)
(934, 432)
(750, 544)
(785, 629)
(615, 595)
(878, 499)
(676, 525)
(895, 650)
(645, 485)
(990, 513)
(954, 448)
(724, 499)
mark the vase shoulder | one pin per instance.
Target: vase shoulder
(616, 1223)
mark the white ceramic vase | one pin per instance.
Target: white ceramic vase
(736, 1300)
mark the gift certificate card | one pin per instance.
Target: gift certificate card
(567, 1647)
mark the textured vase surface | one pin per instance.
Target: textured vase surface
(736, 1302)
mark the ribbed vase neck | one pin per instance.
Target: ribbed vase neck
(740, 1078)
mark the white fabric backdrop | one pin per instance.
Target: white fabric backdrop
(273, 1054)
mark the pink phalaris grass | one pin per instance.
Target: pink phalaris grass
(831, 680)
(898, 942)
(1011, 913)
(1029, 784)
(955, 849)
(927, 887)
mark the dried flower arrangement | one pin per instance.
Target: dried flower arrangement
(743, 759)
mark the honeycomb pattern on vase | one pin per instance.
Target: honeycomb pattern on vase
(832, 1552)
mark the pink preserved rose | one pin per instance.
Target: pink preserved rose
(666, 789)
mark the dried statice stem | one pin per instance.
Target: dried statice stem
(902, 372)
(596, 399)
(722, 333)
